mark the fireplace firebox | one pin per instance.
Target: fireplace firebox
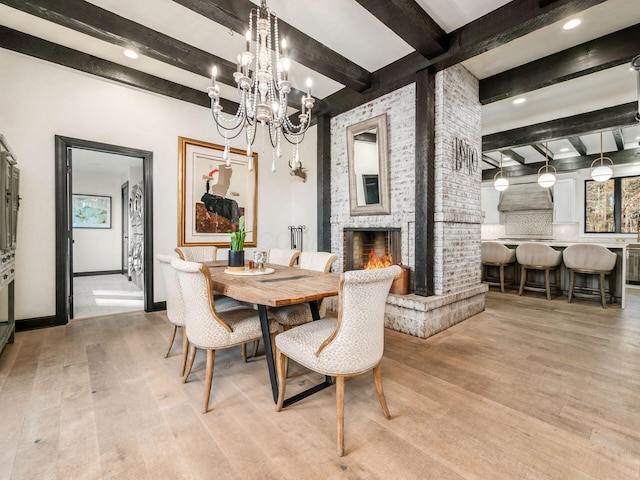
(361, 243)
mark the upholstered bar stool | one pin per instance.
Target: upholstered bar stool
(590, 259)
(538, 256)
(495, 254)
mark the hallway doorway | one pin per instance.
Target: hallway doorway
(90, 238)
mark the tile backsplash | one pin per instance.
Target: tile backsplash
(529, 223)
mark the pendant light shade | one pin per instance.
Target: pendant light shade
(546, 178)
(500, 180)
(601, 168)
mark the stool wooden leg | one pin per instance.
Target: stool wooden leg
(546, 283)
(572, 283)
(603, 297)
(502, 278)
(523, 278)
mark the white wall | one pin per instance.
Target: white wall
(39, 100)
(98, 249)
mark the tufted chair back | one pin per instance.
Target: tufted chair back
(318, 261)
(198, 254)
(278, 256)
(538, 254)
(497, 253)
(357, 344)
(175, 302)
(589, 256)
(204, 326)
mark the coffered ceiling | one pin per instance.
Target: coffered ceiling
(355, 50)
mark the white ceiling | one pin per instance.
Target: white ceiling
(91, 161)
(347, 28)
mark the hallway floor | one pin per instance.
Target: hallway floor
(104, 295)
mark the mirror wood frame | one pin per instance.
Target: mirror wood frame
(383, 207)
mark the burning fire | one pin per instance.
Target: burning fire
(377, 262)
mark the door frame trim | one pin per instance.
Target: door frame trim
(62, 221)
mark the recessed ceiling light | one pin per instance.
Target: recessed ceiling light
(572, 24)
(565, 149)
(130, 53)
(520, 100)
(506, 158)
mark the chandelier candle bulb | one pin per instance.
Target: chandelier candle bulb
(248, 37)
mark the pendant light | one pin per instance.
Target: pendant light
(548, 178)
(601, 172)
(500, 180)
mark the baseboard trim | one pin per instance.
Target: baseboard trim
(35, 323)
(101, 272)
(158, 306)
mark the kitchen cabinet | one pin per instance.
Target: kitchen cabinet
(490, 198)
(633, 264)
(564, 201)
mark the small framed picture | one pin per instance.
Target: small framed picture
(91, 211)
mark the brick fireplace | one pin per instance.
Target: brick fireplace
(459, 293)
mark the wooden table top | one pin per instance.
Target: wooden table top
(285, 286)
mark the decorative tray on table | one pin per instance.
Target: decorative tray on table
(246, 271)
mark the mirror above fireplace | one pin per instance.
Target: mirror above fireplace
(368, 167)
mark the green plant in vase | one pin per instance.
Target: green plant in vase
(236, 252)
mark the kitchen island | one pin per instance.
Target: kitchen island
(589, 281)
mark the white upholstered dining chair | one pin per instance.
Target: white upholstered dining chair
(279, 256)
(341, 347)
(292, 315)
(175, 305)
(210, 329)
(198, 254)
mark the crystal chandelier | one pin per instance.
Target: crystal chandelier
(262, 78)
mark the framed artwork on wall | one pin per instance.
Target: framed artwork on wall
(91, 211)
(214, 193)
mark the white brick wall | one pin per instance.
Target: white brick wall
(458, 214)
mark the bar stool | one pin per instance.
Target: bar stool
(591, 259)
(495, 254)
(538, 256)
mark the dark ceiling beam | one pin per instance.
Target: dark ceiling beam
(234, 14)
(617, 135)
(578, 145)
(582, 124)
(542, 150)
(52, 52)
(513, 20)
(513, 156)
(605, 52)
(411, 23)
(566, 164)
(97, 22)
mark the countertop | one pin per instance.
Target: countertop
(557, 243)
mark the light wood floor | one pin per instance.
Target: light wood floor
(529, 389)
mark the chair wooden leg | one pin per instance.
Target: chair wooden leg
(377, 378)
(340, 413)
(256, 344)
(243, 349)
(502, 278)
(172, 337)
(572, 284)
(192, 357)
(185, 350)
(603, 297)
(546, 283)
(281, 370)
(211, 358)
(523, 278)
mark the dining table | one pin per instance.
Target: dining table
(275, 286)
